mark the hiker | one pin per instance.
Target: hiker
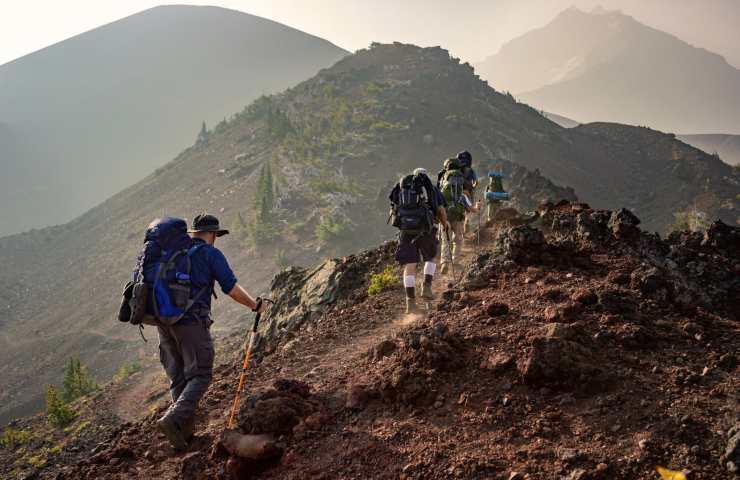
(455, 189)
(465, 159)
(186, 348)
(496, 187)
(416, 207)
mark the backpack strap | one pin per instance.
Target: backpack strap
(203, 289)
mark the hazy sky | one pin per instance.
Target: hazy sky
(470, 29)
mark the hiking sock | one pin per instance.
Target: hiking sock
(429, 269)
(409, 281)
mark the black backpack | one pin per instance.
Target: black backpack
(412, 213)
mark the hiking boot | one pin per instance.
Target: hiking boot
(426, 290)
(411, 307)
(188, 429)
(173, 433)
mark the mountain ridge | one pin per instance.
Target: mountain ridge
(186, 65)
(335, 144)
(617, 69)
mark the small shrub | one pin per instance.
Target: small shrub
(380, 282)
(126, 370)
(12, 438)
(328, 230)
(58, 413)
(281, 259)
(383, 126)
(691, 220)
(37, 461)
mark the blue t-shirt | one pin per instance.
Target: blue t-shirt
(208, 265)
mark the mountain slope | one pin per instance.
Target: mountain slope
(105, 108)
(335, 144)
(605, 66)
(726, 146)
(584, 348)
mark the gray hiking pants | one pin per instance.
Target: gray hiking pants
(186, 353)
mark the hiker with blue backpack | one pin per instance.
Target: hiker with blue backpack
(417, 207)
(495, 193)
(171, 289)
(457, 191)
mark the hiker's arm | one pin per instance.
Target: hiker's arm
(226, 278)
(240, 295)
(442, 214)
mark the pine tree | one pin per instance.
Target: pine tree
(203, 134)
(262, 229)
(58, 413)
(77, 381)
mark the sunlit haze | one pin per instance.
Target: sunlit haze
(470, 29)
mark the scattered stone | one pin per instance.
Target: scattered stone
(357, 397)
(551, 313)
(557, 358)
(497, 361)
(727, 362)
(617, 278)
(516, 476)
(584, 296)
(497, 309)
(577, 474)
(731, 456)
(384, 349)
(569, 454)
(617, 301)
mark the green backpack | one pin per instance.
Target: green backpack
(452, 187)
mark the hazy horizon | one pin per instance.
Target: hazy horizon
(472, 33)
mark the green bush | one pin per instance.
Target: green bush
(328, 231)
(281, 259)
(12, 438)
(691, 220)
(380, 282)
(58, 413)
(383, 126)
(126, 370)
(77, 381)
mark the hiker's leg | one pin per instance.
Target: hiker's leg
(429, 249)
(446, 247)
(457, 240)
(171, 359)
(197, 350)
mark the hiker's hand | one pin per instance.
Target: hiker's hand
(260, 306)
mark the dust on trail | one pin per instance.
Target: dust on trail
(360, 345)
(140, 394)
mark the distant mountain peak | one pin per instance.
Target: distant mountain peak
(606, 65)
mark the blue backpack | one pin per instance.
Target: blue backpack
(160, 291)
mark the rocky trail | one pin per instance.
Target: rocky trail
(580, 349)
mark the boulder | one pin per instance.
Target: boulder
(558, 357)
(623, 224)
(253, 447)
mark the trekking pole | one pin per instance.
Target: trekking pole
(449, 251)
(247, 357)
